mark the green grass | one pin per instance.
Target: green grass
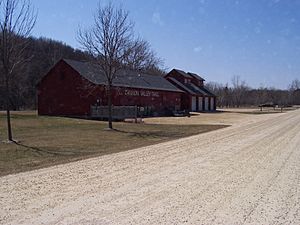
(45, 141)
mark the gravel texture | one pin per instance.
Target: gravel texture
(245, 174)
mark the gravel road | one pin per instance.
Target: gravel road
(245, 174)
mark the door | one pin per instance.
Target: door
(206, 104)
(200, 104)
(212, 104)
(193, 104)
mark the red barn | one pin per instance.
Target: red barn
(70, 88)
(196, 97)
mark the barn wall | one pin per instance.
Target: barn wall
(185, 102)
(64, 92)
(162, 102)
(197, 82)
(186, 99)
(176, 75)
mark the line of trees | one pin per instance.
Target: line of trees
(238, 94)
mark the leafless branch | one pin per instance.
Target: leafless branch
(17, 20)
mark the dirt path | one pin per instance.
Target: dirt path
(245, 174)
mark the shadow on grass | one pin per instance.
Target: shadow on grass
(173, 133)
(40, 151)
(146, 134)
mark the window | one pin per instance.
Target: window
(187, 81)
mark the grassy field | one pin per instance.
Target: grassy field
(46, 141)
(258, 110)
(223, 116)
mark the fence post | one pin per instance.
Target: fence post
(136, 112)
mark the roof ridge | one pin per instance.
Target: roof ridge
(122, 69)
(93, 73)
(197, 76)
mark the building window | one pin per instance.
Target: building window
(187, 81)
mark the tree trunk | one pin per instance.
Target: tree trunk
(9, 130)
(110, 126)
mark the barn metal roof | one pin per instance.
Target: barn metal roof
(191, 88)
(183, 73)
(207, 91)
(182, 86)
(199, 90)
(124, 78)
(196, 76)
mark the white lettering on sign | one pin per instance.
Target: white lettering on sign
(143, 93)
(154, 94)
(132, 92)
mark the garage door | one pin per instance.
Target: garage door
(194, 104)
(206, 104)
(212, 104)
(200, 104)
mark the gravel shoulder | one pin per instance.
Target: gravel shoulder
(248, 173)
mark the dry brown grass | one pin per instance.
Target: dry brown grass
(46, 141)
(223, 116)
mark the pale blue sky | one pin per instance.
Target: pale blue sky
(259, 40)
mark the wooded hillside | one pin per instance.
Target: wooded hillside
(43, 53)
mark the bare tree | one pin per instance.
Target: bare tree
(141, 56)
(239, 90)
(294, 92)
(219, 90)
(109, 41)
(16, 23)
(295, 85)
